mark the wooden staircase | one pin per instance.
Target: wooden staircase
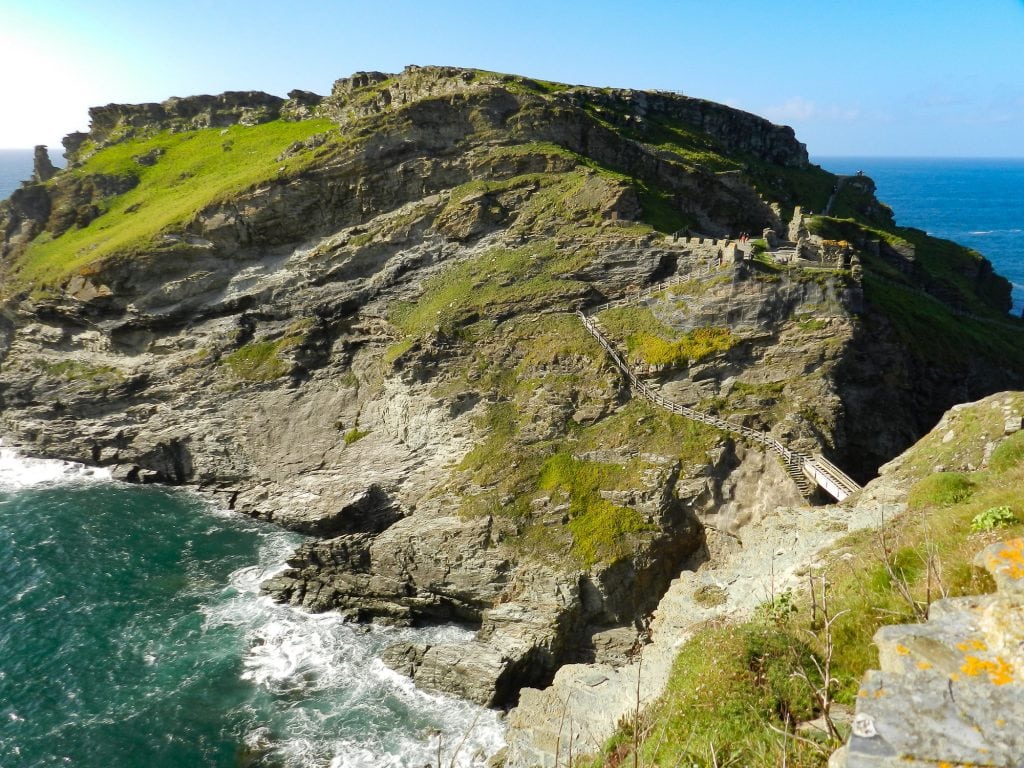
(805, 470)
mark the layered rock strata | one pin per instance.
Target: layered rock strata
(360, 327)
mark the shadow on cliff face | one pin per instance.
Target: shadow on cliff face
(892, 396)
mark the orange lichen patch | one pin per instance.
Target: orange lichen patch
(999, 671)
(862, 693)
(1003, 673)
(1008, 560)
(880, 693)
(923, 665)
(972, 645)
(1000, 722)
(902, 650)
(954, 676)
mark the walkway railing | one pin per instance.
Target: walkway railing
(825, 474)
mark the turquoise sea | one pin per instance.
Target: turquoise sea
(132, 633)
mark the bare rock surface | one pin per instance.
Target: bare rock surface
(950, 691)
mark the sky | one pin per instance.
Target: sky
(929, 78)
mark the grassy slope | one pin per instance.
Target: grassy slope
(923, 309)
(196, 169)
(735, 686)
(650, 341)
(517, 361)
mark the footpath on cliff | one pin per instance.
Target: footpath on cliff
(353, 315)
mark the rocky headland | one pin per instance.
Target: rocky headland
(352, 315)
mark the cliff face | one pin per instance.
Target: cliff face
(352, 316)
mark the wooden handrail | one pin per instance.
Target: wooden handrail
(823, 472)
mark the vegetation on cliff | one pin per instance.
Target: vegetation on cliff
(739, 691)
(172, 177)
(436, 229)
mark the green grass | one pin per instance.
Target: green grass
(940, 489)
(197, 169)
(934, 334)
(498, 282)
(355, 434)
(727, 685)
(94, 376)
(600, 530)
(1009, 453)
(260, 361)
(810, 323)
(649, 340)
(942, 268)
(732, 683)
(808, 187)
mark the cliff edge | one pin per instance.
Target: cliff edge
(352, 315)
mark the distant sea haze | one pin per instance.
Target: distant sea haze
(16, 167)
(976, 202)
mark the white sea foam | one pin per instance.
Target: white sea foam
(981, 232)
(328, 698)
(19, 471)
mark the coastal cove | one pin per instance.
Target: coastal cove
(417, 412)
(133, 634)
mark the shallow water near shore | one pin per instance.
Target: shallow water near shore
(132, 633)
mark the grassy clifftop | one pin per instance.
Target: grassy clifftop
(173, 176)
(149, 170)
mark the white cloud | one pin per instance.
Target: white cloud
(800, 110)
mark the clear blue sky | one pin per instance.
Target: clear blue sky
(893, 77)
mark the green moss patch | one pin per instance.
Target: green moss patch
(648, 340)
(354, 435)
(942, 488)
(600, 529)
(261, 361)
(94, 376)
(499, 281)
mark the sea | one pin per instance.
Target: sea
(133, 634)
(976, 202)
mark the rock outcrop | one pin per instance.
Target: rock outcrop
(950, 691)
(352, 316)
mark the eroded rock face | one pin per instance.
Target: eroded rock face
(948, 689)
(378, 350)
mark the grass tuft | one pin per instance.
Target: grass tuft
(261, 361)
